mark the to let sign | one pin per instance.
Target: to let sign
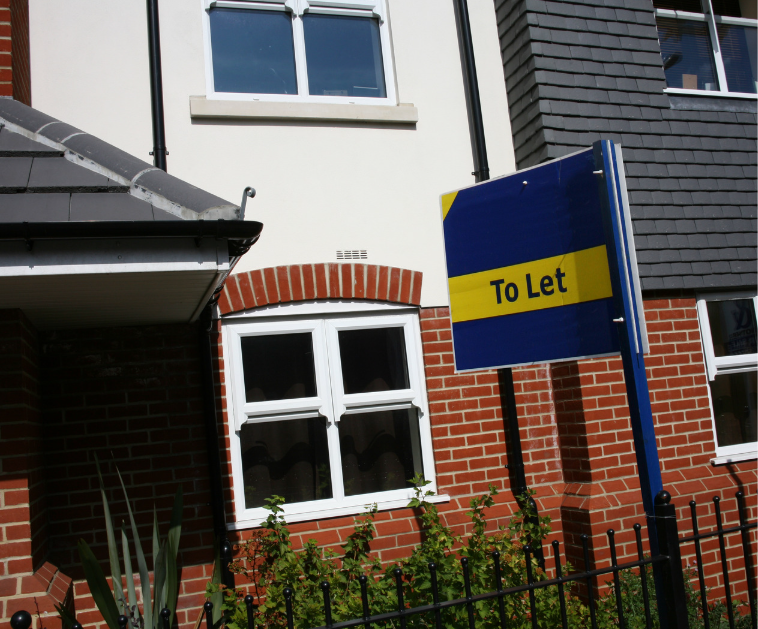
(527, 265)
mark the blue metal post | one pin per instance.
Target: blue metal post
(630, 341)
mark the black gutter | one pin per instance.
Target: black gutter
(231, 230)
(207, 330)
(224, 546)
(482, 173)
(476, 125)
(156, 85)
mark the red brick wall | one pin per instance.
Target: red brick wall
(132, 397)
(14, 50)
(6, 66)
(22, 86)
(26, 581)
(597, 449)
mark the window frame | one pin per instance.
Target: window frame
(725, 365)
(330, 402)
(376, 9)
(712, 20)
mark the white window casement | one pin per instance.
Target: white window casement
(708, 46)
(306, 51)
(328, 410)
(730, 344)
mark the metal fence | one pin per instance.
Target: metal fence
(666, 564)
(721, 533)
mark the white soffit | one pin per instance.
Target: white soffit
(102, 283)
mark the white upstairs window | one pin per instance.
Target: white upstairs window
(708, 45)
(331, 51)
(328, 412)
(730, 343)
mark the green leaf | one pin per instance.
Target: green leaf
(156, 538)
(172, 578)
(118, 590)
(217, 598)
(159, 582)
(129, 574)
(67, 618)
(144, 575)
(98, 586)
(175, 526)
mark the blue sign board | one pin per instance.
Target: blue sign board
(527, 267)
(541, 267)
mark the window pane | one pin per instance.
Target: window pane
(727, 7)
(344, 56)
(380, 451)
(734, 402)
(286, 458)
(738, 50)
(691, 6)
(373, 360)
(687, 54)
(732, 327)
(278, 367)
(252, 51)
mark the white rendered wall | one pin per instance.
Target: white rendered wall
(321, 186)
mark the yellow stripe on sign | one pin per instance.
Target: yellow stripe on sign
(447, 201)
(571, 278)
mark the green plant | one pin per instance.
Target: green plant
(112, 603)
(269, 563)
(632, 603)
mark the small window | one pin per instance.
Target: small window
(329, 413)
(708, 45)
(313, 50)
(730, 344)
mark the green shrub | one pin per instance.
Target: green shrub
(270, 565)
(164, 592)
(632, 603)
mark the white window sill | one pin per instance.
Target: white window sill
(202, 107)
(735, 458)
(333, 513)
(675, 91)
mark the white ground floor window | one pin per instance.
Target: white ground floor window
(730, 344)
(327, 410)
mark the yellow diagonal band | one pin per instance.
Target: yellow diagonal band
(446, 201)
(571, 278)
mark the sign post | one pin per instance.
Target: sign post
(541, 268)
(628, 319)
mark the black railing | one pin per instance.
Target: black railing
(721, 533)
(667, 565)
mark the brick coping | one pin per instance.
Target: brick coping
(332, 280)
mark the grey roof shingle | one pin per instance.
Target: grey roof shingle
(43, 157)
(105, 206)
(690, 160)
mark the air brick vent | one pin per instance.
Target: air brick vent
(352, 254)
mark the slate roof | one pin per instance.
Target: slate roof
(580, 70)
(51, 171)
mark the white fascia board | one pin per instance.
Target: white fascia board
(89, 256)
(319, 308)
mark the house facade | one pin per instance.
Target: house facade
(332, 351)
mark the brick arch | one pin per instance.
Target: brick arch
(334, 280)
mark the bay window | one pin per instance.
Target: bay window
(708, 45)
(328, 412)
(730, 345)
(334, 51)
